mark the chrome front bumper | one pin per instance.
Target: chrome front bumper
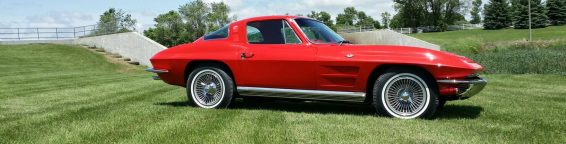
(157, 71)
(471, 86)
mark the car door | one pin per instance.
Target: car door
(274, 57)
(337, 66)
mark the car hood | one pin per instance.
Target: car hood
(410, 54)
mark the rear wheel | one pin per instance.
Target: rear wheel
(210, 87)
(405, 94)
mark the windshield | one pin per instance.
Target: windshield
(317, 32)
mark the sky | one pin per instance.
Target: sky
(73, 13)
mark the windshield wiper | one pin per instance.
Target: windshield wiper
(342, 42)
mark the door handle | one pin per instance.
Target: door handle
(247, 55)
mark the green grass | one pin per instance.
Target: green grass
(67, 94)
(455, 41)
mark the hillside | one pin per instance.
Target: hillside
(507, 51)
(458, 40)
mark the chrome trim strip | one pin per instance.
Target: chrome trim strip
(471, 81)
(156, 71)
(476, 85)
(302, 94)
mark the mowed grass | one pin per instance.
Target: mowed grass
(457, 40)
(67, 94)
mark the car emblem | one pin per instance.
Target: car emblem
(349, 55)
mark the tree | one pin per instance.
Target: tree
(386, 19)
(452, 9)
(218, 15)
(437, 14)
(556, 11)
(497, 15)
(377, 25)
(476, 9)
(410, 13)
(348, 17)
(169, 30)
(195, 15)
(189, 23)
(365, 21)
(396, 22)
(521, 14)
(324, 17)
(115, 21)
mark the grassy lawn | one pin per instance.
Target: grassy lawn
(67, 94)
(455, 40)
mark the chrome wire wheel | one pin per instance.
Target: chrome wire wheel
(405, 96)
(207, 89)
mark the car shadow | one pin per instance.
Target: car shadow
(320, 107)
(459, 112)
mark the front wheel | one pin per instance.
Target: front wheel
(210, 87)
(405, 94)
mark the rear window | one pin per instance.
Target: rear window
(221, 33)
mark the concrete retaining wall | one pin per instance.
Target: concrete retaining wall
(131, 45)
(386, 37)
(140, 48)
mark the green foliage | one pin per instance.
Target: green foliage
(169, 30)
(437, 14)
(386, 19)
(115, 21)
(348, 17)
(476, 9)
(324, 17)
(396, 22)
(556, 11)
(376, 24)
(365, 20)
(459, 41)
(521, 14)
(497, 15)
(523, 58)
(352, 17)
(507, 51)
(189, 23)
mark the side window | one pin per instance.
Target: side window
(289, 34)
(312, 34)
(218, 34)
(271, 32)
(254, 36)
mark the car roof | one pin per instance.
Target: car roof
(271, 17)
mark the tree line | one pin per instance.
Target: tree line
(436, 15)
(501, 14)
(194, 19)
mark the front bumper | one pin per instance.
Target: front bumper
(467, 87)
(157, 71)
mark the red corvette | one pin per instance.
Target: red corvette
(301, 58)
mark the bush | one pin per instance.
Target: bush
(540, 57)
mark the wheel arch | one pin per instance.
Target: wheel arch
(381, 69)
(198, 63)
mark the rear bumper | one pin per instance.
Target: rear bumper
(467, 87)
(157, 71)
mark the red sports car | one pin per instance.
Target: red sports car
(301, 58)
